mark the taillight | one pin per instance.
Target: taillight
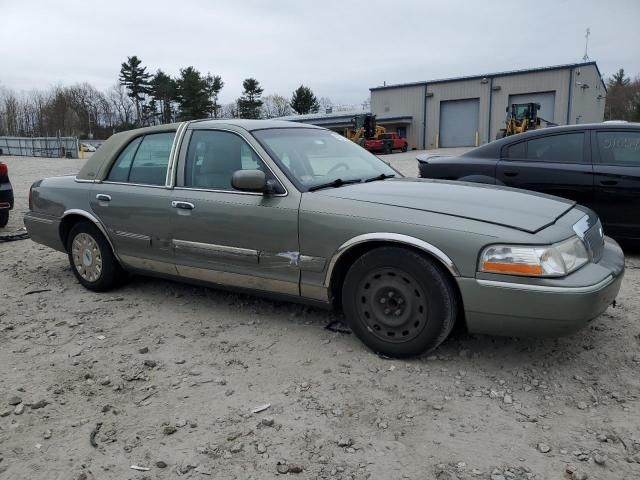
(4, 170)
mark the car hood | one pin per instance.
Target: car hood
(519, 209)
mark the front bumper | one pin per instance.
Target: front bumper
(543, 307)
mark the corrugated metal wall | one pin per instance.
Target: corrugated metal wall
(398, 102)
(493, 93)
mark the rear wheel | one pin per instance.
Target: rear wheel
(398, 302)
(91, 258)
(386, 148)
(4, 218)
(405, 147)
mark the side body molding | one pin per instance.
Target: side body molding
(390, 237)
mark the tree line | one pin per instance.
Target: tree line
(623, 98)
(141, 99)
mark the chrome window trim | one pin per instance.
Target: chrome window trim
(108, 182)
(390, 237)
(546, 289)
(245, 138)
(81, 180)
(173, 155)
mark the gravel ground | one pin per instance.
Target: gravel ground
(166, 376)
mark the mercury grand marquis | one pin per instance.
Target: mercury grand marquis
(300, 212)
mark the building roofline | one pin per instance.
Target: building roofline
(491, 75)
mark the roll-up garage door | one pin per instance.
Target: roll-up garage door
(547, 101)
(459, 122)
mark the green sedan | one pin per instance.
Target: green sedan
(301, 213)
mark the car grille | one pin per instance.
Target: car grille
(594, 240)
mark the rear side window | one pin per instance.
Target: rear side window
(619, 148)
(567, 148)
(517, 151)
(144, 160)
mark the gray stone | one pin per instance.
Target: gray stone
(544, 448)
(507, 399)
(143, 350)
(268, 421)
(14, 400)
(161, 464)
(579, 475)
(582, 405)
(599, 459)
(261, 448)
(39, 404)
(236, 447)
(345, 442)
(19, 410)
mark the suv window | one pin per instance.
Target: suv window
(619, 148)
(144, 160)
(213, 156)
(517, 151)
(565, 148)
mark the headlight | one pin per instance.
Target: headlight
(535, 261)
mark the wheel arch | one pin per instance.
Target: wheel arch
(73, 216)
(357, 246)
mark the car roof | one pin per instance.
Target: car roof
(250, 125)
(489, 150)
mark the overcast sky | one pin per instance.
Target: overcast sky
(338, 48)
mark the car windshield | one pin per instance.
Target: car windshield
(315, 157)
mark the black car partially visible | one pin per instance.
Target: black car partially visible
(597, 165)
(6, 194)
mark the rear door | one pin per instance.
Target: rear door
(617, 181)
(134, 204)
(558, 164)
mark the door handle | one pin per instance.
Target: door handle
(608, 182)
(103, 197)
(510, 174)
(183, 205)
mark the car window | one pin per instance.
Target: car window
(150, 163)
(566, 148)
(120, 170)
(213, 156)
(144, 160)
(619, 148)
(517, 151)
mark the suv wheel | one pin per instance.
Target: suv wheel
(4, 218)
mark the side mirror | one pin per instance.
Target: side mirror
(249, 181)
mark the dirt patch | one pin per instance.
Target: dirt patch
(164, 376)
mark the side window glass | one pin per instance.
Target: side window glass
(517, 151)
(213, 157)
(150, 163)
(567, 148)
(619, 148)
(120, 169)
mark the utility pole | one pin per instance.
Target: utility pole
(586, 45)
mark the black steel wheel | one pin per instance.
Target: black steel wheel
(405, 147)
(399, 302)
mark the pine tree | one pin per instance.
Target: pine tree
(134, 77)
(304, 101)
(249, 104)
(192, 95)
(214, 85)
(163, 90)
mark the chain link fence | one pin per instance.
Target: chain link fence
(50, 147)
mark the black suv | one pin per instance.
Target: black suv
(6, 195)
(597, 165)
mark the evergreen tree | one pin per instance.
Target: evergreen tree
(163, 91)
(304, 101)
(192, 95)
(134, 77)
(214, 85)
(250, 104)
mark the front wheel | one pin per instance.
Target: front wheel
(4, 218)
(91, 258)
(398, 302)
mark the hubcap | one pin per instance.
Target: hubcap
(87, 259)
(392, 305)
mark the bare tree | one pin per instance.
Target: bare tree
(274, 106)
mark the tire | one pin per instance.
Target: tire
(91, 258)
(405, 147)
(398, 302)
(386, 149)
(4, 218)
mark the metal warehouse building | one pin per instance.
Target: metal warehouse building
(469, 111)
